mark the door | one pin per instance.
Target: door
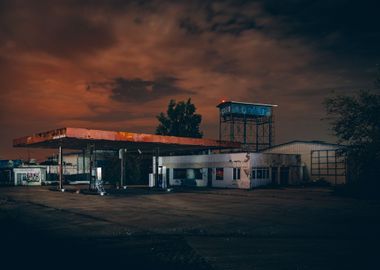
(167, 177)
(284, 175)
(209, 177)
(274, 174)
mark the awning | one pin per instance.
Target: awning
(80, 138)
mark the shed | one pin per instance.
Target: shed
(320, 160)
(29, 176)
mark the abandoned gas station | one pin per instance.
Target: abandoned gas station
(89, 141)
(237, 160)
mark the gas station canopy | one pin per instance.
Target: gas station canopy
(80, 138)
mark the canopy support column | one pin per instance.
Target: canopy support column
(92, 166)
(60, 168)
(156, 165)
(122, 156)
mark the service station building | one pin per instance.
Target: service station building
(243, 157)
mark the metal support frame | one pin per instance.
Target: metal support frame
(257, 132)
(325, 164)
(92, 165)
(122, 156)
(245, 129)
(156, 164)
(84, 161)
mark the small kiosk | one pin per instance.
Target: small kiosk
(29, 176)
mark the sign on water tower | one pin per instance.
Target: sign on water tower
(248, 109)
(248, 123)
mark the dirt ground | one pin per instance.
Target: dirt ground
(290, 228)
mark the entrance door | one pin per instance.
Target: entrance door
(167, 178)
(209, 177)
(284, 175)
(274, 175)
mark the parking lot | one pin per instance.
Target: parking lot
(289, 228)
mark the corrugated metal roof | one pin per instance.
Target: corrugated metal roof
(307, 142)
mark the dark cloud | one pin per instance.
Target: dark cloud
(139, 90)
(232, 19)
(100, 114)
(190, 26)
(54, 28)
(235, 24)
(343, 26)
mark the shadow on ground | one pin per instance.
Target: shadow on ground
(24, 246)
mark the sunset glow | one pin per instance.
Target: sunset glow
(116, 64)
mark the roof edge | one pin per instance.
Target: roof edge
(307, 142)
(246, 103)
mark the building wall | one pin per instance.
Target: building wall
(209, 166)
(203, 162)
(277, 163)
(29, 176)
(304, 149)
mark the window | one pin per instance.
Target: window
(179, 173)
(21, 177)
(198, 174)
(260, 173)
(236, 174)
(266, 173)
(182, 173)
(219, 173)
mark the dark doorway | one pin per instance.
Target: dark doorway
(209, 177)
(284, 175)
(167, 178)
(274, 175)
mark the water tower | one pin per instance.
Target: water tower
(249, 123)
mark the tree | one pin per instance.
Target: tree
(355, 121)
(180, 120)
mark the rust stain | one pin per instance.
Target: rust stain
(121, 136)
(40, 137)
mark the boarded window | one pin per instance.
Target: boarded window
(179, 173)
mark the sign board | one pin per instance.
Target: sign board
(245, 109)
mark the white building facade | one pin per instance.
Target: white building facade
(29, 176)
(233, 170)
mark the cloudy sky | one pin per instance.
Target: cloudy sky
(116, 64)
